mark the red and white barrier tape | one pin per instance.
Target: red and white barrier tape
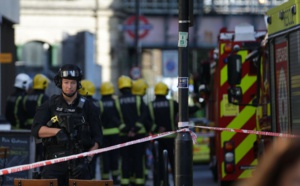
(85, 154)
(149, 138)
(244, 131)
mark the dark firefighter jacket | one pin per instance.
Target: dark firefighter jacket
(14, 112)
(110, 115)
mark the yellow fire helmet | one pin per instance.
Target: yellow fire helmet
(40, 82)
(87, 88)
(124, 82)
(161, 89)
(107, 88)
(139, 87)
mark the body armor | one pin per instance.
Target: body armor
(73, 121)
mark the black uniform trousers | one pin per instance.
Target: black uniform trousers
(57, 171)
(61, 172)
(110, 159)
(133, 162)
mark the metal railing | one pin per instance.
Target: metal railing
(203, 6)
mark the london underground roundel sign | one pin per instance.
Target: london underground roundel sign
(144, 26)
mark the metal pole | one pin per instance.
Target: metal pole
(183, 141)
(166, 170)
(136, 32)
(156, 178)
(1, 65)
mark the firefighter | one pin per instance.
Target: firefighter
(88, 90)
(14, 111)
(139, 88)
(30, 104)
(111, 117)
(163, 113)
(132, 157)
(67, 124)
(35, 98)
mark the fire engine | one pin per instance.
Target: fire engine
(257, 87)
(284, 57)
(235, 99)
(279, 76)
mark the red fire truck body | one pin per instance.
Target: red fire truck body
(235, 102)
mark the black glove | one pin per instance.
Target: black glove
(81, 171)
(62, 137)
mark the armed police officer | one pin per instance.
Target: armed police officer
(68, 124)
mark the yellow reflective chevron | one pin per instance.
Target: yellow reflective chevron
(247, 82)
(222, 46)
(223, 77)
(237, 123)
(243, 148)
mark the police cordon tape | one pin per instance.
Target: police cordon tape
(19, 168)
(244, 131)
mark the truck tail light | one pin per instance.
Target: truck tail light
(229, 159)
(229, 168)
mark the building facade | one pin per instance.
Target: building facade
(54, 32)
(9, 16)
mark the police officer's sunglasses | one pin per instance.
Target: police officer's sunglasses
(69, 73)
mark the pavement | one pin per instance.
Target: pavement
(202, 176)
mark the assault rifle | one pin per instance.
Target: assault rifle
(76, 127)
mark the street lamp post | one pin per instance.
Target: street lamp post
(136, 32)
(183, 141)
